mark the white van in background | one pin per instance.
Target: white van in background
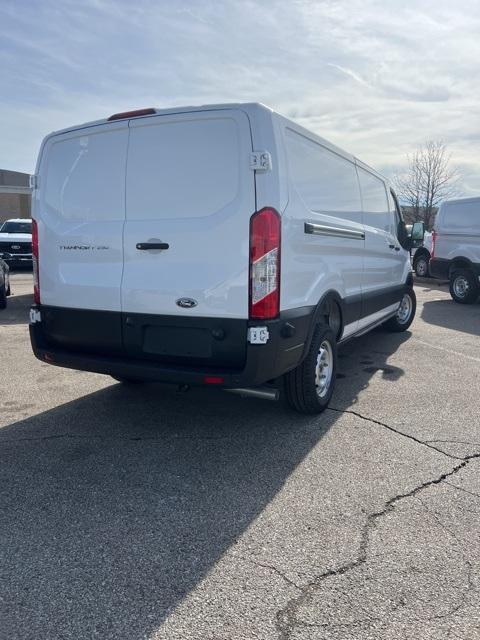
(217, 245)
(456, 248)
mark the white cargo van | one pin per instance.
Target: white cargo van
(216, 245)
(456, 248)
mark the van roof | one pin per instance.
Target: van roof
(461, 200)
(249, 107)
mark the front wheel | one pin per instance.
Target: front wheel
(405, 313)
(421, 266)
(464, 286)
(309, 387)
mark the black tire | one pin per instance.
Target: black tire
(3, 297)
(421, 265)
(402, 320)
(301, 390)
(464, 287)
(128, 380)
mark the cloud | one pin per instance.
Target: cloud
(376, 78)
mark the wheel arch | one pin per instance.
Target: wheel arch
(330, 307)
(460, 263)
(421, 252)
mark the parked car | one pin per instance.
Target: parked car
(4, 283)
(456, 248)
(220, 245)
(421, 256)
(16, 242)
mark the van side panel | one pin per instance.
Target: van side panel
(323, 235)
(457, 233)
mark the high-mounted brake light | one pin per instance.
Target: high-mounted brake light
(36, 278)
(133, 114)
(265, 232)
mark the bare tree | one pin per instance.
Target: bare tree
(427, 181)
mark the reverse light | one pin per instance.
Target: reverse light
(265, 231)
(35, 263)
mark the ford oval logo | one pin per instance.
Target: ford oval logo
(15, 246)
(186, 303)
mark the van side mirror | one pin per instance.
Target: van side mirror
(418, 232)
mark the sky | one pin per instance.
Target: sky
(377, 78)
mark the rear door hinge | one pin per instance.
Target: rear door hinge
(260, 161)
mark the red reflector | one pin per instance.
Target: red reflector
(213, 380)
(36, 266)
(133, 114)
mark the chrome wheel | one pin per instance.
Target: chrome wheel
(324, 369)
(405, 309)
(461, 286)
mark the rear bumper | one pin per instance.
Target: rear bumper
(284, 350)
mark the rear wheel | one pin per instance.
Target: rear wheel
(309, 387)
(405, 313)
(464, 287)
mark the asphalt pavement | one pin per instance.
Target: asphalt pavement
(142, 512)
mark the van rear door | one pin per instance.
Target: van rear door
(80, 210)
(190, 194)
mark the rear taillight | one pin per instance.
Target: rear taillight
(265, 231)
(36, 279)
(434, 237)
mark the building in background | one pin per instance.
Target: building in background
(15, 195)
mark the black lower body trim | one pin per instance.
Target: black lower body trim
(440, 267)
(98, 341)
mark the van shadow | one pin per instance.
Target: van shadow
(18, 308)
(115, 505)
(451, 315)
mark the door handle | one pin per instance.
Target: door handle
(146, 246)
(397, 248)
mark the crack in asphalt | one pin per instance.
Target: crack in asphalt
(286, 617)
(273, 568)
(472, 444)
(424, 443)
(468, 564)
(472, 493)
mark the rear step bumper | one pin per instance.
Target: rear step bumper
(283, 351)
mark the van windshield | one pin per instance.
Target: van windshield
(16, 227)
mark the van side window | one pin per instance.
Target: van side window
(325, 181)
(376, 210)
